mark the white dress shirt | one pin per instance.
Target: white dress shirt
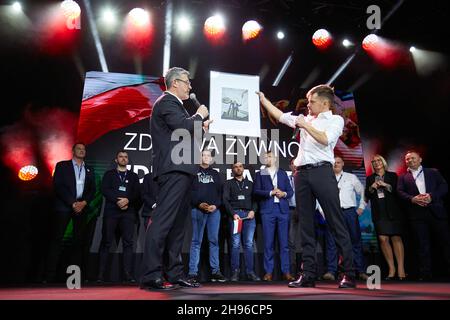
(181, 101)
(80, 177)
(349, 185)
(273, 175)
(419, 178)
(292, 199)
(311, 151)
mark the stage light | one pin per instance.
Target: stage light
(71, 9)
(412, 49)
(109, 17)
(184, 25)
(280, 35)
(214, 27)
(17, 7)
(139, 17)
(251, 29)
(322, 39)
(370, 42)
(28, 173)
(346, 43)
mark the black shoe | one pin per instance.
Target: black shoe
(187, 284)
(389, 278)
(347, 282)
(100, 278)
(302, 282)
(235, 276)
(193, 278)
(218, 277)
(158, 284)
(253, 277)
(129, 278)
(425, 277)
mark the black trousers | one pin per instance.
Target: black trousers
(79, 245)
(166, 232)
(126, 224)
(426, 230)
(294, 241)
(320, 184)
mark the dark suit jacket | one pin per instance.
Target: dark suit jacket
(167, 116)
(64, 184)
(149, 191)
(435, 185)
(390, 198)
(263, 186)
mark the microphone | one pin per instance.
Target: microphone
(296, 130)
(194, 99)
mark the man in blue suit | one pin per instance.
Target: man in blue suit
(423, 190)
(274, 190)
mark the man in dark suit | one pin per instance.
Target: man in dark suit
(149, 191)
(273, 189)
(423, 190)
(74, 186)
(120, 187)
(174, 174)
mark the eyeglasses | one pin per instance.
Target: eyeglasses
(187, 82)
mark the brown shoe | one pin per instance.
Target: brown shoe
(288, 277)
(267, 277)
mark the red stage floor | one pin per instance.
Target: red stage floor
(240, 291)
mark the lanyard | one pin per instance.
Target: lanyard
(120, 177)
(80, 169)
(339, 180)
(239, 186)
(417, 175)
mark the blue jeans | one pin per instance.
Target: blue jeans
(273, 222)
(199, 221)
(248, 231)
(352, 223)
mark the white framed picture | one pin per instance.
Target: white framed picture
(234, 105)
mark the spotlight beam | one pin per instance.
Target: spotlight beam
(282, 71)
(94, 31)
(168, 36)
(341, 69)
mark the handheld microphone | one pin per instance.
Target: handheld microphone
(296, 131)
(194, 99)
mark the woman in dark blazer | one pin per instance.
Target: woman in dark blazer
(387, 217)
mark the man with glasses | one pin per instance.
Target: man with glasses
(174, 179)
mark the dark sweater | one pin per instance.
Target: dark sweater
(206, 187)
(110, 189)
(232, 189)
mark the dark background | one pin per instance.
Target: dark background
(397, 108)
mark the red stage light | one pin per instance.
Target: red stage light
(28, 173)
(214, 27)
(71, 9)
(322, 39)
(370, 42)
(139, 17)
(251, 29)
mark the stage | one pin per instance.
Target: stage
(239, 291)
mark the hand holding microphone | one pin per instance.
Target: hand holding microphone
(299, 123)
(202, 109)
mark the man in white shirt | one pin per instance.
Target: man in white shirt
(349, 186)
(319, 132)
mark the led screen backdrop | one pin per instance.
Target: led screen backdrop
(115, 114)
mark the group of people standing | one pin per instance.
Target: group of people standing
(287, 204)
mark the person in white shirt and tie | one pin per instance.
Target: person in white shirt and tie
(319, 132)
(349, 186)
